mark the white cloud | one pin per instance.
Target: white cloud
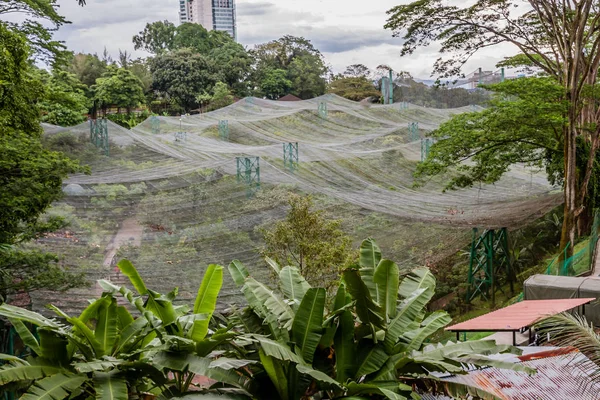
(346, 31)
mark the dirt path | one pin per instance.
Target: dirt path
(130, 233)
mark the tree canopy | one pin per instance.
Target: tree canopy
(119, 87)
(30, 175)
(353, 88)
(560, 40)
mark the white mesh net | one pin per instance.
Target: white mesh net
(173, 205)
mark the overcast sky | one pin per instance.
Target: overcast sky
(346, 31)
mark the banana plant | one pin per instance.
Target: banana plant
(369, 344)
(110, 352)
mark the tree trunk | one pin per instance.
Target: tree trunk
(570, 183)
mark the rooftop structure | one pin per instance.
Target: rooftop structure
(216, 15)
(562, 373)
(520, 316)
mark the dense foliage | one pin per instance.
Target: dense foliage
(287, 344)
(30, 175)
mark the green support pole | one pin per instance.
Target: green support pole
(480, 76)
(290, 156)
(155, 124)
(490, 266)
(224, 130)
(391, 90)
(248, 172)
(425, 146)
(323, 109)
(502, 77)
(99, 135)
(413, 131)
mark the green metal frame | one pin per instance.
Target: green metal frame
(155, 124)
(403, 105)
(248, 172)
(224, 130)
(290, 156)
(249, 100)
(425, 146)
(180, 136)
(391, 89)
(323, 113)
(99, 134)
(490, 266)
(413, 131)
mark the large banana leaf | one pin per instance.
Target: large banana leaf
(238, 272)
(277, 309)
(307, 327)
(368, 311)
(345, 349)
(276, 372)
(81, 330)
(387, 279)
(136, 280)
(319, 376)
(26, 336)
(293, 285)
(420, 278)
(110, 386)
(130, 335)
(161, 307)
(54, 387)
(91, 311)
(275, 349)
(370, 358)
(408, 311)
(97, 365)
(206, 300)
(390, 390)
(125, 317)
(182, 362)
(274, 266)
(370, 256)
(53, 347)
(430, 325)
(12, 312)
(25, 372)
(208, 292)
(107, 325)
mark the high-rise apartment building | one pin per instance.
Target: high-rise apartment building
(216, 15)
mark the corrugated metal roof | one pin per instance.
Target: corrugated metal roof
(562, 373)
(519, 315)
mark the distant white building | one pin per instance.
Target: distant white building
(216, 15)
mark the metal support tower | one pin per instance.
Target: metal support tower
(502, 77)
(413, 131)
(290, 156)
(224, 130)
(425, 146)
(480, 76)
(248, 172)
(249, 101)
(180, 136)
(490, 266)
(403, 105)
(391, 89)
(323, 109)
(155, 124)
(99, 135)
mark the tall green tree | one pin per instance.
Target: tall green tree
(156, 38)
(234, 65)
(120, 88)
(304, 65)
(353, 88)
(309, 240)
(36, 16)
(86, 67)
(183, 75)
(64, 102)
(30, 176)
(559, 39)
(275, 84)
